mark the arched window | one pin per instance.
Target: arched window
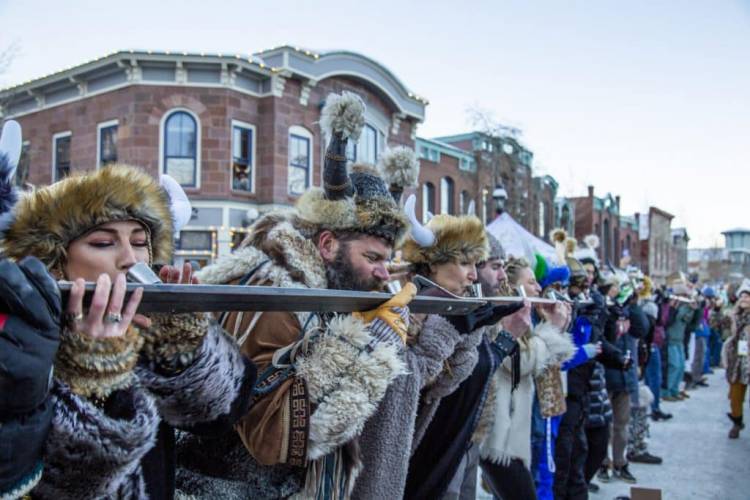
(428, 200)
(180, 147)
(447, 205)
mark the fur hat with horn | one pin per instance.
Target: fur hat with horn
(677, 282)
(577, 271)
(743, 288)
(45, 221)
(445, 238)
(359, 202)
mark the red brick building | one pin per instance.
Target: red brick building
(240, 133)
(505, 161)
(600, 216)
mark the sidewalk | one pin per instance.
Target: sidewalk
(700, 462)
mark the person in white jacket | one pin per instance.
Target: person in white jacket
(506, 450)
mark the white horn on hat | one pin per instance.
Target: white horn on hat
(421, 234)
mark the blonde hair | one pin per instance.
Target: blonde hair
(513, 269)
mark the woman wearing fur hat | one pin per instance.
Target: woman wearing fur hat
(447, 251)
(321, 375)
(121, 380)
(506, 453)
(736, 359)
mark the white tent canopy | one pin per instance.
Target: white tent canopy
(518, 242)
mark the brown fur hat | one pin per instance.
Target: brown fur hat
(456, 239)
(371, 210)
(47, 220)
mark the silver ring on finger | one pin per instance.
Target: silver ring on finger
(113, 317)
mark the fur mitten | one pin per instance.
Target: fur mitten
(95, 367)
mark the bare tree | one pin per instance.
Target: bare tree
(484, 120)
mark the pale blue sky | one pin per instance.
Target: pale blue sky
(647, 99)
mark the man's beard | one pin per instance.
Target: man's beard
(341, 276)
(502, 289)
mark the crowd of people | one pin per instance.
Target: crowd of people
(541, 397)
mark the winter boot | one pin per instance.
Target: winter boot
(734, 433)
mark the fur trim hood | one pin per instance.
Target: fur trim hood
(456, 238)
(47, 220)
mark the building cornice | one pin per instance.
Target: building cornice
(261, 75)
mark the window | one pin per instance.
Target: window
(464, 203)
(60, 156)
(446, 196)
(106, 143)
(242, 156)
(428, 200)
(22, 170)
(367, 150)
(434, 155)
(368, 145)
(181, 148)
(300, 141)
(424, 152)
(195, 240)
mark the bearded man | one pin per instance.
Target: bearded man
(321, 376)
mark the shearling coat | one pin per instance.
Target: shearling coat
(510, 434)
(737, 367)
(330, 378)
(98, 452)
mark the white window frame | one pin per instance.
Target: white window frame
(99, 127)
(162, 124)
(300, 131)
(249, 126)
(55, 137)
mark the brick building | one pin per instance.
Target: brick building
(600, 216)
(449, 179)
(630, 244)
(239, 133)
(505, 161)
(656, 244)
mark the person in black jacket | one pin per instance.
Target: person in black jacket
(571, 449)
(30, 311)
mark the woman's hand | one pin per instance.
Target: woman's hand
(105, 317)
(172, 275)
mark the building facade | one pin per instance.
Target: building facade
(239, 133)
(680, 240)
(599, 216)
(655, 229)
(737, 243)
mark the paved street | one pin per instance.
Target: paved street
(700, 462)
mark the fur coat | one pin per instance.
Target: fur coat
(737, 367)
(337, 375)
(510, 434)
(393, 432)
(96, 452)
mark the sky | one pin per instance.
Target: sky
(646, 99)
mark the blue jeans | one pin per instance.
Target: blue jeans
(675, 368)
(653, 376)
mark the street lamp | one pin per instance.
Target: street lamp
(500, 195)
